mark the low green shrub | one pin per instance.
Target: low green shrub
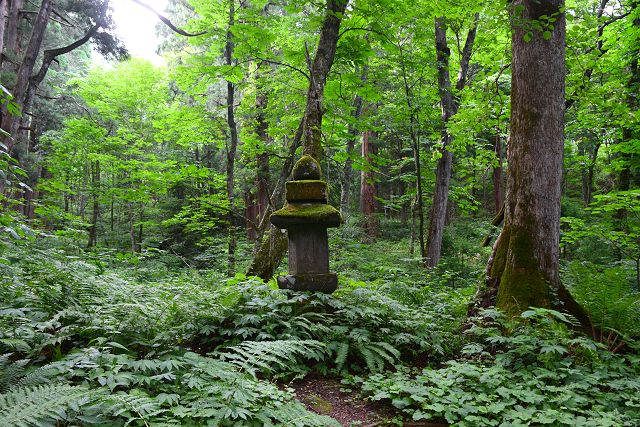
(533, 371)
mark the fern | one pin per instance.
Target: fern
(10, 372)
(271, 355)
(132, 406)
(342, 351)
(26, 406)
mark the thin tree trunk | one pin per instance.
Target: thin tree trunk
(140, 227)
(232, 146)
(95, 183)
(588, 171)
(132, 230)
(262, 160)
(274, 244)
(353, 132)
(418, 207)
(368, 188)
(3, 24)
(449, 105)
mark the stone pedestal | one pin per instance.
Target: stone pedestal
(306, 217)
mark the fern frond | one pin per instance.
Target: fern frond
(10, 373)
(270, 355)
(140, 406)
(342, 352)
(26, 406)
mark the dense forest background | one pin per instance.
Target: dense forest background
(136, 200)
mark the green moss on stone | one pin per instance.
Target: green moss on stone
(307, 190)
(318, 404)
(306, 214)
(307, 168)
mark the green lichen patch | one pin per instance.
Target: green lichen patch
(307, 191)
(319, 404)
(307, 168)
(293, 214)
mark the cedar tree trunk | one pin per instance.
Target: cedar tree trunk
(368, 188)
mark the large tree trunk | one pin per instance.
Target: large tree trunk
(232, 146)
(449, 105)
(11, 123)
(368, 188)
(12, 51)
(523, 270)
(274, 245)
(3, 23)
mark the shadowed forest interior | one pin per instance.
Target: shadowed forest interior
(320, 213)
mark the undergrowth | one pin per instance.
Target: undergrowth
(89, 341)
(108, 339)
(532, 371)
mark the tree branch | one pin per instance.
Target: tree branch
(168, 23)
(51, 54)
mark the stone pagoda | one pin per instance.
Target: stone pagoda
(306, 217)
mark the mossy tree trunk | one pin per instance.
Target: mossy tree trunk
(274, 243)
(523, 270)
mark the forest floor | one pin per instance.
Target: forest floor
(326, 396)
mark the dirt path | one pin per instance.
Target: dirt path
(323, 395)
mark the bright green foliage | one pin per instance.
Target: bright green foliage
(518, 374)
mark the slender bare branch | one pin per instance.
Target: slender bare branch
(167, 22)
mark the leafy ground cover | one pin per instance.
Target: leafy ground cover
(110, 339)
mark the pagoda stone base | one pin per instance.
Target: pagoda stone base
(318, 282)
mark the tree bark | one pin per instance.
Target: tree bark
(353, 132)
(368, 188)
(232, 146)
(11, 124)
(95, 184)
(318, 72)
(449, 105)
(523, 270)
